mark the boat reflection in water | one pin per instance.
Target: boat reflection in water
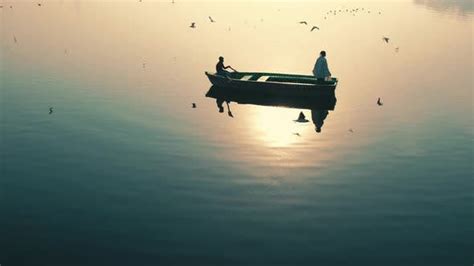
(320, 105)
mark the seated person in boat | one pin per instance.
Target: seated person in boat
(221, 69)
(321, 70)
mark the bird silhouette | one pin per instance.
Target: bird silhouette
(350, 130)
(379, 102)
(14, 39)
(194, 105)
(301, 118)
(297, 134)
(386, 39)
(193, 25)
(50, 110)
(314, 27)
(212, 21)
(39, 4)
(303, 22)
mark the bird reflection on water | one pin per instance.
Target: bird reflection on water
(320, 105)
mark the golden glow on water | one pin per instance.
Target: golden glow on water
(275, 127)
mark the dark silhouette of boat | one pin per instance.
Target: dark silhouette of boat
(318, 104)
(273, 83)
(326, 101)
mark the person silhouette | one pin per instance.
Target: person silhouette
(220, 102)
(221, 68)
(318, 117)
(321, 70)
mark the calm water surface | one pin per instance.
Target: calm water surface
(125, 172)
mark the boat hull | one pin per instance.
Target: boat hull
(268, 88)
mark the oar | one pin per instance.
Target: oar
(229, 112)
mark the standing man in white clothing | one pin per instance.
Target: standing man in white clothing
(321, 70)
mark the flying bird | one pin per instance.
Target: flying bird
(193, 25)
(50, 110)
(212, 21)
(379, 102)
(314, 27)
(303, 22)
(14, 39)
(350, 130)
(39, 4)
(386, 39)
(297, 134)
(194, 105)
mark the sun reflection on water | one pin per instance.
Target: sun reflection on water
(275, 126)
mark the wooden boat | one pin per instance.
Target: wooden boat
(273, 83)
